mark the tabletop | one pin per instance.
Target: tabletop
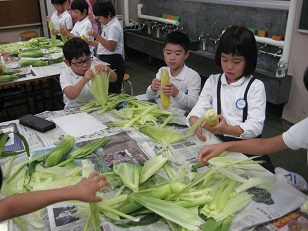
(129, 145)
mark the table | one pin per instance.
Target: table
(285, 197)
(33, 84)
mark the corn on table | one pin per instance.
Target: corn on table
(131, 146)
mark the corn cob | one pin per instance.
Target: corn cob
(83, 37)
(32, 54)
(63, 37)
(8, 78)
(57, 155)
(51, 26)
(33, 62)
(211, 117)
(57, 60)
(165, 99)
(8, 71)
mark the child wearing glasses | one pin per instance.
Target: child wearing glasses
(76, 80)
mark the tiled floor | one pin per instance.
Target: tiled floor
(142, 69)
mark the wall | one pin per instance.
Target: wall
(211, 18)
(297, 107)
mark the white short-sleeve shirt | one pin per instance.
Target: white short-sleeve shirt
(112, 31)
(65, 19)
(296, 136)
(69, 78)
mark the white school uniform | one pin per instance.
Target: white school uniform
(65, 19)
(188, 82)
(232, 96)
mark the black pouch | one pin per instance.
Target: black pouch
(36, 123)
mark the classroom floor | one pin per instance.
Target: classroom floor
(142, 69)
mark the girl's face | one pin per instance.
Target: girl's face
(233, 66)
(80, 15)
(174, 56)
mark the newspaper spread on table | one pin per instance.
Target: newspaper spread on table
(130, 146)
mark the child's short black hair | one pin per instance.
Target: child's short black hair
(239, 40)
(104, 8)
(306, 78)
(75, 48)
(177, 38)
(60, 2)
(80, 5)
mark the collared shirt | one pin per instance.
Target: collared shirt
(188, 82)
(296, 137)
(82, 28)
(64, 19)
(112, 31)
(69, 78)
(232, 103)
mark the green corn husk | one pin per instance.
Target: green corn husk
(151, 167)
(8, 78)
(33, 62)
(129, 174)
(58, 153)
(32, 54)
(51, 26)
(100, 86)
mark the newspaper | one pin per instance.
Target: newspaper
(132, 146)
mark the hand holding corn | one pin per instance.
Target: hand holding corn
(93, 33)
(198, 130)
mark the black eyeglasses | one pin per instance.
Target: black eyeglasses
(80, 63)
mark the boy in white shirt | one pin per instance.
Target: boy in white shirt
(185, 83)
(60, 17)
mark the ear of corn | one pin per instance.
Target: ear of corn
(100, 87)
(63, 37)
(51, 26)
(8, 71)
(165, 99)
(57, 155)
(83, 37)
(32, 54)
(33, 62)
(8, 78)
(211, 117)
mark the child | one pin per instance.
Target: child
(294, 138)
(236, 95)
(185, 83)
(110, 43)
(24, 203)
(76, 80)
(90, 13)
(60, 17)
(83, 26)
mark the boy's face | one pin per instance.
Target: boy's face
(174, 56)
(60, 8)
(104, 20)
(80, 15)
(80, 65)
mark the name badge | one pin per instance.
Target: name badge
(240, 103)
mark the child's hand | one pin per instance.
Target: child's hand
(155, 86)
(220, 128)
(93, 33)
(47, 18)
(88, 187)
(198, 131)
(88, 75)
(54, 31)
(170, 89)
(63, 31)
(99, 68)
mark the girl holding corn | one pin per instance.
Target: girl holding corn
(238, 98)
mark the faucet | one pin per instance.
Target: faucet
(202, 39)
(216, 39)
(281, 69)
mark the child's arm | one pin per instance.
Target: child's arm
(198, 130)
(72, 92)
(24, 203)
(252, 146)
(99, 68)
(109, 45)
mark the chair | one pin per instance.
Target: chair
(126, 80)
(27, 35)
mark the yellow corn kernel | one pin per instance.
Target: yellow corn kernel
(211, 117)
(83, 37)
(165, 99)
